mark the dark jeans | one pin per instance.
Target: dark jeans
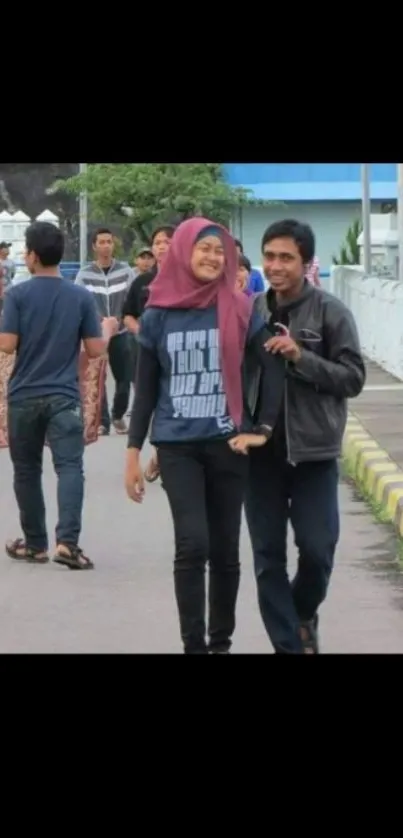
(205, 484)
(120, 364)
(307, 495)
(59, 420)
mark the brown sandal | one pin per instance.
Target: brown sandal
(18, 549)
(73, 558)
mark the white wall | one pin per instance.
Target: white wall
(377, 305)
(330, 222)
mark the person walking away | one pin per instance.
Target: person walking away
(191, 345)
(295, 477)
(108, 279)
(135, 304)
(45, 320)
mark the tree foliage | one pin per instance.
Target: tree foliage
(139, 196)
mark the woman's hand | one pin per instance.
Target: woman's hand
(241, 443)
(134, 478)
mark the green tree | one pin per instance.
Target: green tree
(350, 251)
(139, 196)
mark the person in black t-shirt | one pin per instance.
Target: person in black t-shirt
(138, 292)
(135, 304)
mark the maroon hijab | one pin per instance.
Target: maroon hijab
(175, 286)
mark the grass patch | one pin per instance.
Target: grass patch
(377, 509)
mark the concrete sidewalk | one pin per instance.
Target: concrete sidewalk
(373, 443)
(127, 605)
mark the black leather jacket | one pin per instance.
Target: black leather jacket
(330, 371)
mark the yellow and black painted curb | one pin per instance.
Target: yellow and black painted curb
(374, 471)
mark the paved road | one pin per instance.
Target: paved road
(379, 409)
(127, 604)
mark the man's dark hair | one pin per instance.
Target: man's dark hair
(168, 229)
(239, 244)
(301, 234)
(101, 231)
(244, 262)
(46, 241)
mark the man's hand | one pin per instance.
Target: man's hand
(285, 346)
(110, 327)
(134, 478)
(131, 324)
(241, 443)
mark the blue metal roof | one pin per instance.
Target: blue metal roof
(336, 191)
(312, 181)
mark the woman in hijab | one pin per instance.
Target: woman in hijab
(192, 341)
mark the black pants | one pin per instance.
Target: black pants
(205, 484)
(133, 350)
(307, 495)
(120, 364)
(59, 420)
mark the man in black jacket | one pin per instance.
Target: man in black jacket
(295, 476)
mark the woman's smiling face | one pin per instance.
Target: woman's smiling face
(208, 259)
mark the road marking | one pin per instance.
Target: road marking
(380, 388)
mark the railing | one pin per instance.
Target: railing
(377, 306)
(70, 270)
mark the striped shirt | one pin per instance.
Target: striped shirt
(108, 287)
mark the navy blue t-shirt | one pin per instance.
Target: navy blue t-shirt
(51, 316)
(192, 404)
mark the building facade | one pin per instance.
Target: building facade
(325, 195)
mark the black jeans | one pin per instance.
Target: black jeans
(307, 495)
(59, 421)
(205, 484)
(120, 364)
(133, 349)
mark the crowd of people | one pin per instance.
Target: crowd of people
(241, 389)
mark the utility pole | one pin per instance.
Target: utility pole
(83, 220)
(366, 215)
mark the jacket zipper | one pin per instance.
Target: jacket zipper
(287, 433)
(108, 305)
(106, 277)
